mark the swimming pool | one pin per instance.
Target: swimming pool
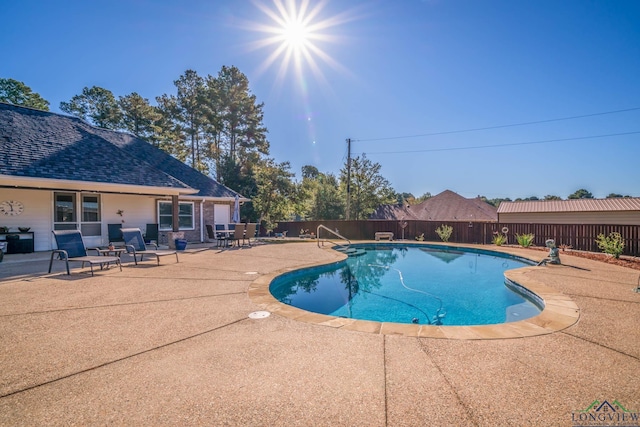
(410, 283)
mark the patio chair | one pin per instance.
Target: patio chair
(135, 245)
(211, 235)
(220, 235)
(281, 234)
(115, 235)
(71, 248)
(238, 233)
(250, 232)
(151, 234)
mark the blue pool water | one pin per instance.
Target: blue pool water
(412, 284)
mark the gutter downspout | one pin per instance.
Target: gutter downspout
(202, 221)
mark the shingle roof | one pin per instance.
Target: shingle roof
(447, 206)
(395, 212)
(572, 205)
(450, 206)
(41, 144)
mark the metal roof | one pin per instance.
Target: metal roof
(572, 205)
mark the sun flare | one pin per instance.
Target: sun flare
(296, 33)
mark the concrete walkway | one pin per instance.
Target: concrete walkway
(173, 345)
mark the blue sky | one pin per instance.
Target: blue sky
(387, 74)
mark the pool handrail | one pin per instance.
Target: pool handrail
(335, 233)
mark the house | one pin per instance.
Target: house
(393, 212)
(58, 172)
(615, 211)
(447, 206)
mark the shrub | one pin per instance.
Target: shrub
(498, 239)
(420, 238)
(444, 231)
(525, 240)
(611, 244)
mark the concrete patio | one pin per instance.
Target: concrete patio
(173, 345)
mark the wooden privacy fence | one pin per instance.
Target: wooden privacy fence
(577, 236)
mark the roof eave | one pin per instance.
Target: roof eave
(220, 199)
(10, 181)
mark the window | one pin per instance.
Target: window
(64, 211)
(185, 216)
(90, 208)
(165, 218)
(90, 215)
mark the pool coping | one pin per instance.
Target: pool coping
(560, 311)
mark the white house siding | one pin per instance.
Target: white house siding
(137, 212)
(37, 214)
(615, 218)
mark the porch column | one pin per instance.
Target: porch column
(174, 234)
(174, 213)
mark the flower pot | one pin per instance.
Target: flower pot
(181, 244)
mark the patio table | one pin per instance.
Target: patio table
(111, 252)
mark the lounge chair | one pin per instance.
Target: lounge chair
(115, 234)
(135, 245)
(71, 248)
(151, 234)
(238, 233)
(250, 232)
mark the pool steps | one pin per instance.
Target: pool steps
(351, 251)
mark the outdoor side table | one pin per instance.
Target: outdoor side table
(111, 252)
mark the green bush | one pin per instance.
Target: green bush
(444, 231)
(420, 238)
(525, 240)
(498, 239)
(611, 244)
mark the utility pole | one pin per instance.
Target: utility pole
(348, 175)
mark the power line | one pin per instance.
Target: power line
(505, 145)
(499, 126)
